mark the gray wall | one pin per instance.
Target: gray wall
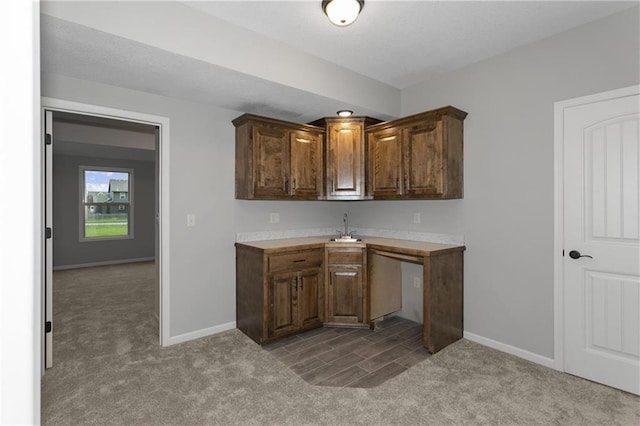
(67, 248)
(201, 171)
(508, 208)
(506, 215)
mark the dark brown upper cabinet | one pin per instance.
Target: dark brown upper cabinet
(345, 157)
(277, 160)
(417, 157)
(354, 158)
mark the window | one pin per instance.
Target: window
(106, 203)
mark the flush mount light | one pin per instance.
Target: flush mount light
(345, 113)
(342, 12)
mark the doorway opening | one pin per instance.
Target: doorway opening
(105, 170)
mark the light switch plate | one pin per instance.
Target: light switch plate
(416, 218)
(274, 217)
(191, 220)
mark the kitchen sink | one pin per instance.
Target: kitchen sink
(345, 240)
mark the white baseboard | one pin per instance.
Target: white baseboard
(512, 350)
(200, 333)
(105, 263)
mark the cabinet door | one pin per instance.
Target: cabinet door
(345, 303)
(310, 298)
(345, 161)
(282, 304)
(423, 160)
(385, 164)
(306, 165)
(271, 162)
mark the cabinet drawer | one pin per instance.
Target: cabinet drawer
(298, 260)
(346, 256)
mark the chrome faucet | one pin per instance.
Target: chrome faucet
(346, 236)
(345, 219)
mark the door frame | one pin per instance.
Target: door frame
(558, 222)
(55, 104)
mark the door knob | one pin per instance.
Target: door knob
(575, 254)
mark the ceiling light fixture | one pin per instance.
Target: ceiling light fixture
(342, 12)
(344, 113)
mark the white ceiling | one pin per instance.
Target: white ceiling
(398, 43)
(402, 43)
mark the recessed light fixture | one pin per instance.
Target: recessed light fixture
(345, 113)
(342, 12)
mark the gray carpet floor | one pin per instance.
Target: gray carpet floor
(109, 369)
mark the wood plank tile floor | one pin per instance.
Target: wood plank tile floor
(359, 358)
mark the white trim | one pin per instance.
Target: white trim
(164, 151)
(512, 350)
(558, 222)
(105, 263)
(180, 338)
(558, 240)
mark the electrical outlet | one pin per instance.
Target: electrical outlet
(416, 218)
(274, 217)
(416, 282)
(191, 220)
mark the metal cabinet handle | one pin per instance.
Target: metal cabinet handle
(346, 274)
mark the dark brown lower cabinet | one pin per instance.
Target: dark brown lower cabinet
(345, 288)
(278, 294)
(345, 295)
(295, 302)
(285, 290)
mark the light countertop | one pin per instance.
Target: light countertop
(419, 248)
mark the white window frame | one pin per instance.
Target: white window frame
(81, 222)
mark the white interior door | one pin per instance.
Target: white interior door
(601, 239)
(48, 296)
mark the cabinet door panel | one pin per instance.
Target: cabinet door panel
(385, 163)
(423, 159)
(282, 304)
(345, 175)
(306, 165)
(271, 162)
(310, 298)
(345, 287)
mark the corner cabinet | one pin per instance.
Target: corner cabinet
(345, 288)
(417, 157)
(277, 160)
(345, 157)
(278, 294)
